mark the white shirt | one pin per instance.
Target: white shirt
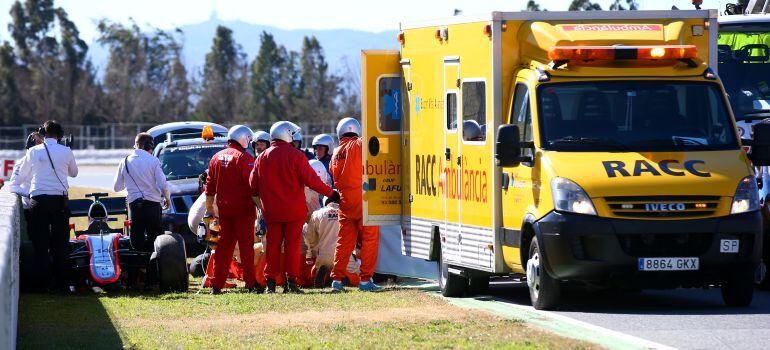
(20, 185)
(320, 235)
(144, 179)
(36, 167)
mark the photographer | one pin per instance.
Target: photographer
(140, 173)
(48, 165)
(20, 185)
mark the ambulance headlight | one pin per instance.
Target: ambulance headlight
(746, 196)
(569, 197)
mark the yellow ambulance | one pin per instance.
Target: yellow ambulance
(592, 147)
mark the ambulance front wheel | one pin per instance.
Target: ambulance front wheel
(451, 285)
(738, 288)
(762, 277)
(170, 262)
(544, 290)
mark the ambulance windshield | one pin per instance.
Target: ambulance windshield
(744, 66)
(634, 116)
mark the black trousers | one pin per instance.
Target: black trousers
(145, 224)
(49, 232)
(28, 220)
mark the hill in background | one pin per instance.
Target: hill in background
(341, 46)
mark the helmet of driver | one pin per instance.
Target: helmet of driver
(471, 130)
(348, 125)
(320, 169)
(283, 131)
(260, 135)
(240, 134)
(324, 140)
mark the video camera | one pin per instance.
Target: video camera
(67, 141)
(738, 8)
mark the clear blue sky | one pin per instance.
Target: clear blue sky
(292, 14)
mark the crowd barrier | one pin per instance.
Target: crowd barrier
(10, 239)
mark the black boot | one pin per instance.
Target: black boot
(216, 291)
(270, 287)
(293, 288)
(320, 277)
(257, 289)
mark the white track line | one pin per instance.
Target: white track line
(601, 330)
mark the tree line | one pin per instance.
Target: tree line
(588, 5)
(45, 73)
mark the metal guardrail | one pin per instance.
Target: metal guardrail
(10, 240)
(121, 136)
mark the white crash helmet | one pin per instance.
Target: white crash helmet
(240, 134)
(348, 125)
(320, 169)
(260, 135)
(471, 130)
(324, 140)
(283, 131)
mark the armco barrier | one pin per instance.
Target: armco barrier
(10, 215)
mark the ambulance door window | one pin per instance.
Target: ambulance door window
(474, 111)
(521, 116)
(451, 111)
(389, 104)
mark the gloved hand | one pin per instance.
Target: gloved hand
(334, 198)
(262, 226)
(166, 202)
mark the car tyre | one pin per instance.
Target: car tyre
(199, 264)
(738, 289)
(544, 290)
(451, 285)
(170, 262)
(478, 285)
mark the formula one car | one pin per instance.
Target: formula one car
(101, 256)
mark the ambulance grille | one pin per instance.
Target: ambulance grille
(665, 244)
(663, 206)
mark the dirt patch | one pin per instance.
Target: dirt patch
(310, 319)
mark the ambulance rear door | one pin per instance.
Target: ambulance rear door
(382, 89)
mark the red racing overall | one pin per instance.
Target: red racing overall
(348, 176)
(228, 179)
(279, 178)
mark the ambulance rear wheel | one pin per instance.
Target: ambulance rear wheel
(738, 288)
(478, 285)
(171, 263)
(544, 290)
(451, 285)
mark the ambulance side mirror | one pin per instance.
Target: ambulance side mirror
(508, 146)
(760, 146)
